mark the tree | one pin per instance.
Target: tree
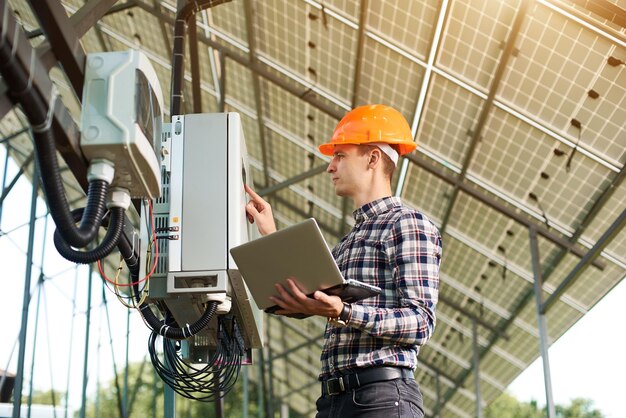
(579, 408)
(507, 406)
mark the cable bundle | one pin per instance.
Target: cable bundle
(208, 383)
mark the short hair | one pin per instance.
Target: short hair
(388, 166)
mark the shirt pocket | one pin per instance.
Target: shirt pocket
(367, 261)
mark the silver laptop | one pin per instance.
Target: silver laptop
(298, 251)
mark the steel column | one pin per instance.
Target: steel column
(19, 374)
(32, 362)
(246, 393)
(476, 363)
(169, 402)
(438, 394)
(83, 403)
(541, 321)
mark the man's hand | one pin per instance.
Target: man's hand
(295, 301)
(259, 211)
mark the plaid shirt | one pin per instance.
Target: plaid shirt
(399, 250)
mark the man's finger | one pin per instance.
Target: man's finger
(251, 209)
(252, 193)
(284, 295)
(322, 297)
(295, 290)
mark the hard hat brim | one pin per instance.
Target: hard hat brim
(403, 148)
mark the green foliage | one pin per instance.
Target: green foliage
(146, 400)
(48, 397)
(506, 406)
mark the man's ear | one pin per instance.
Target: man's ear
(374, 158)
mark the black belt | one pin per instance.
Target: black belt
(338, 385)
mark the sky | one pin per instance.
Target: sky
(589, 361)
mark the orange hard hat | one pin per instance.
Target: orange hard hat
(370, 124)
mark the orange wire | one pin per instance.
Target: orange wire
(156, 257)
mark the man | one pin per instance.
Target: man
(370, 347)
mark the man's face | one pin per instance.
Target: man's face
(347, 169)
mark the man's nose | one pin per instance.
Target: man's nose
(330, 167)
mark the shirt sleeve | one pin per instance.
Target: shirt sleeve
(413, 250)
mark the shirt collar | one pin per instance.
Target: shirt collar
(376, 207)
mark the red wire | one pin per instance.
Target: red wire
(156, 258)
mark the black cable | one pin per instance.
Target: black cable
(39, 115)
(108, 244)
(208, 383)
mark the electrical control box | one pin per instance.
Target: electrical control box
(121, 119)
(199, 217)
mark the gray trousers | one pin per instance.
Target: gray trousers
(398, 398)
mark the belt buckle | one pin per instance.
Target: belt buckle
(331, 391)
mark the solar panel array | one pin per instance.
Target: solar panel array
(532, 115)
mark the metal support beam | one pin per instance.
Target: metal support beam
(303, 344)
(476, 367)
(19, 374)
(446, 301)
(477, 132)
(604, 240)
(65, 131)
(300, 212)
(256, 84)
(438, 394)
(259, 69)
(359, 51)
(355, 92)
(162, 26)
(293, 180)
(87, 16)
(64, 41)
(421, 99)
(482, 196)
(222, 82)
(196, 92)
(83, 403)
(7, 189)
(14, 134)
(541, 321)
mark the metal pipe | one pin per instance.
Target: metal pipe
(125, 393)
(541, 321)
(32, 362)
(71, 341)
(438, 394)
(4, 182)
(83, 402)
(246, 394)
(19, 374)
(475, 360)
